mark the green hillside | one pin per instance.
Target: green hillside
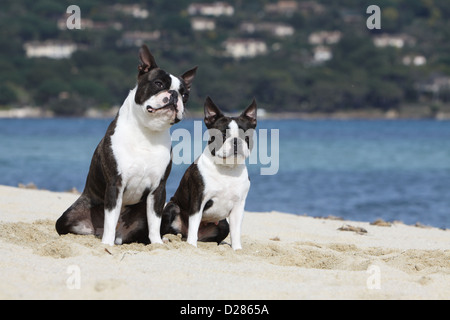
(300, 71)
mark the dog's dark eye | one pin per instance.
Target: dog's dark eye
(185, 96)
(159, 84)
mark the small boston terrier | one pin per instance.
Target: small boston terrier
(131, 164)
(215, 186)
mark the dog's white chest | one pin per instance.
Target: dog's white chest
(141, 160)
(226, 188)
(143, 174)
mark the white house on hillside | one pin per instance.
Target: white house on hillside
(394, 40)
(134, 10)
(215, 9)
(276, 29)
(289, 7)
(138, 38)
(322, 54)
(202, 24)
(49, 49)
(414, 60)
(245, 48)
(324, 37)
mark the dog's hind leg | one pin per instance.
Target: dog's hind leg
(76, 219)
(133, 226)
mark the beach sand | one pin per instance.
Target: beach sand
(284, 256)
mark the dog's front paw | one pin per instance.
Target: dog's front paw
(109, 243)
(108, 239)
(236, 246)
(157, 240)
(192, 243)
(118, 241)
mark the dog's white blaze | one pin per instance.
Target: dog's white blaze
(176, 83)
(226, 152)
(233, 129)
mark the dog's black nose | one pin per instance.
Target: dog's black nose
(235, 145)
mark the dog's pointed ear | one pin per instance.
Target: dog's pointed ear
(188, 77)
(212, 112)
(251, 113)
(147, 60)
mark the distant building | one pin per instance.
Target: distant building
(276, 29)
(138, 38)
(325, 37)
(134, 10)
(215, 9)
(394, 40)
(322, 54)
(434, 84)
(320, 40)
(90, 24)
(289, 7)
(85, 23)
(49, 49)
(245, 48)
(282, 7)
(310, 7)
(414, 60)
(203, 24)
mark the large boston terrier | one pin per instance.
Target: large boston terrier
(132, 162)
(215, 186)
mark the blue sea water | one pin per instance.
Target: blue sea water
(356, 169)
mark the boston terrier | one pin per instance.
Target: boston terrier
(132, 162)
(215, 186)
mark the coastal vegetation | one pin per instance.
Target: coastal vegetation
(293, 56)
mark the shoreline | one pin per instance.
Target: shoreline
(416, 113)
(284, 256)
(388, 223)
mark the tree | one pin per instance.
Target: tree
(49, 89)
(7, 95)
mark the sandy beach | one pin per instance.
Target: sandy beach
(284, 256)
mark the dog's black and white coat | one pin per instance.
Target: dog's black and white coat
(216, 185)
(125, 192)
